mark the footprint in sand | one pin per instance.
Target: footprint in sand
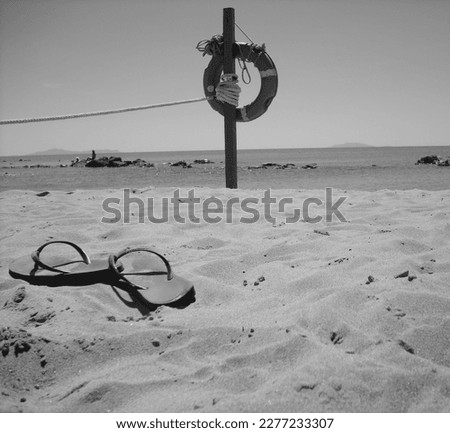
(19, 341)
(38, 319)
(16, 300)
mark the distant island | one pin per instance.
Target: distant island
(71, 152)
(352, 145)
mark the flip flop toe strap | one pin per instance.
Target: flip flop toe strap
(122, 275)
(35, 256)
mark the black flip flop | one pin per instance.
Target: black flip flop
(162, 288)
(58, 270)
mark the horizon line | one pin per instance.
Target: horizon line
(336, 146)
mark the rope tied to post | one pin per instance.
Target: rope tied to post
(228, 89)
(214, 47)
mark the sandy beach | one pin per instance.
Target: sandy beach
(287, 317)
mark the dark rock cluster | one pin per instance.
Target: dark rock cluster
(281, 166)
(273, 165)
(310, 166)
(185, 164)
(110, 161)
(434, 159)
(203, 161)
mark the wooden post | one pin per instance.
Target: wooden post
(229, 110)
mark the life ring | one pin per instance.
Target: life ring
(269, 80)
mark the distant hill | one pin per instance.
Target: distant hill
(353, 145)
(71, 152)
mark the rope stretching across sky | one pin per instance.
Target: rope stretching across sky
(99, 113)
(221, 96)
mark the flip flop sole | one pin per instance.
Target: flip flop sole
(80, 273)
(161, 291)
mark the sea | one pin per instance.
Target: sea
(360, 168)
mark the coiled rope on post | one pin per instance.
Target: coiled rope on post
(228, 89)
(99, 113)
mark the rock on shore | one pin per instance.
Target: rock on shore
(110, 161)
(434, 159)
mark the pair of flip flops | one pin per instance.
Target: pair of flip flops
(130, 268)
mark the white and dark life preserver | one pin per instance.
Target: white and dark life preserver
(269, 80)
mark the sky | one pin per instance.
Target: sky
(368, 71)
